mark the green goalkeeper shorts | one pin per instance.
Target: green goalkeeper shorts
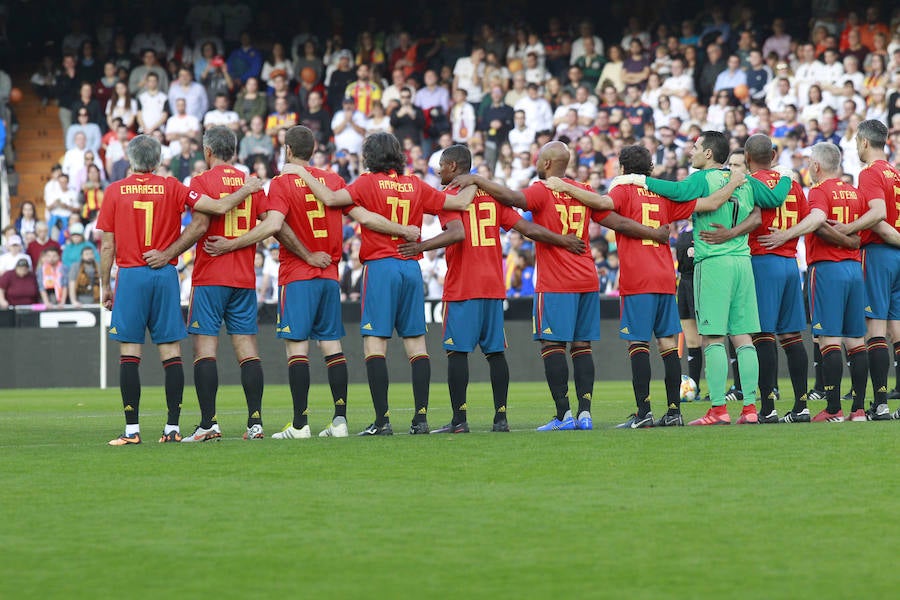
(725, 296)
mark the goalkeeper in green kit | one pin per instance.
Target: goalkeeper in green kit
(723, 276)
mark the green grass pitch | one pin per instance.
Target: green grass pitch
(786, 511)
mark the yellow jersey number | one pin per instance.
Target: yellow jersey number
(317, 212)
(786, 218)
(399, 211)
(233, 217)
(572, 219)
(481, 217)
(147, 207)
(648, 209)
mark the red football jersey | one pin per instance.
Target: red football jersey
(475, 265)
(646, 267)
(319, 227)
(144, 212)
(400, 198)
(558, 270)
(794, 210)
(841, 202)
(234, 269)
(880, 180)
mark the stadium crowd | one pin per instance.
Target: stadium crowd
(504, 91)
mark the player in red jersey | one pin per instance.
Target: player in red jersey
(879, 185)
(140, 213)
(567, 304)
(647, 283)
(310, 304)
(393, 295)
(836, 293)
(474, 288)
(223, 290)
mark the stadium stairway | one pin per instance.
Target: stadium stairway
(39, 145)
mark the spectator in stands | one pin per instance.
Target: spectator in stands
(41, 242)
(52, 278)
(194, 94)
(14, 253)
(84, 279)
(379, 121)
(876, 75)
(317, 119)
(71, 253)
(538, 113)
(779, 42)
(67, 84)
(87, 101)
(91, 194)
(280, 89)
(714, 65)
(154, 106)
(462, 117)
(351, 275)
(74, 157)
(77, 176)
(521, 137)
(613, 71)
(183, 163)
(339, 79)
(115, 150)
(121, 105)
(468, 73)
(216, 78)
(250, 102)
(758, 75)
(137, 80)
(27, 219)
(277, 61)
(363, 90)
(246, 61)
(256, 142)
(182, 124)
(636, 67)
(348, 126)
(221, 115)
(282, 118)
(18, 286)
(43, 81)
(732, 76)
(310, 59)
(585, 31)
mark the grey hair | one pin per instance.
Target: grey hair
(144, 154)
(829, 156)
(221, 141)
(874, 131)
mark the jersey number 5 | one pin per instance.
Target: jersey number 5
(647, 211)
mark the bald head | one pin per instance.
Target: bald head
(759, 152)
(553, 160)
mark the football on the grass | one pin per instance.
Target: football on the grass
(688, 390)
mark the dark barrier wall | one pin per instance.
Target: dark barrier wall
(49, 349)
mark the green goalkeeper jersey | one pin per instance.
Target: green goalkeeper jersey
(735, 210)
